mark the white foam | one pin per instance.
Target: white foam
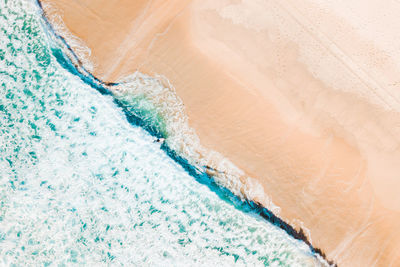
(81, 186)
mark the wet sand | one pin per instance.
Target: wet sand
(303, 96)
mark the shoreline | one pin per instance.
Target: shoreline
(204, 178)
(344, 201)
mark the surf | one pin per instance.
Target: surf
(83, 182)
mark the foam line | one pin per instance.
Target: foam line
(69, 60)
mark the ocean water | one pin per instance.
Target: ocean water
(80, 184)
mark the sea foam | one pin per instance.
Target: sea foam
(80, 185)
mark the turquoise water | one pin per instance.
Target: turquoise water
(80, 185)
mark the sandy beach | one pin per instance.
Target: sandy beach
(303, 96)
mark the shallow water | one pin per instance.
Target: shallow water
(81, 185)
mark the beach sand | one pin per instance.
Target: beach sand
(303, 96)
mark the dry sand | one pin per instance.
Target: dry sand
(302, 95)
